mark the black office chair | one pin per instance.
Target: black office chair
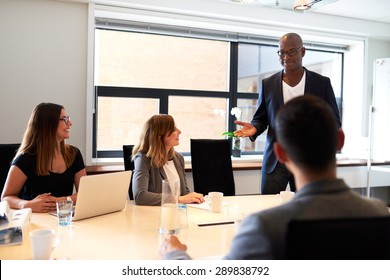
(339, 239)
(129, 165)
(7, 153)
(212, 166)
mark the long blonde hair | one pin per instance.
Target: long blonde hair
(151, 141)
(40, 138)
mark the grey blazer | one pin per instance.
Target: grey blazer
(147, 180)
(262, 235)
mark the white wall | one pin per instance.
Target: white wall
(357, 93)
(42, 59)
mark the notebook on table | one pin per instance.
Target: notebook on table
(101, 194)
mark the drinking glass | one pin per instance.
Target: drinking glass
(64, 212)
(169, 216)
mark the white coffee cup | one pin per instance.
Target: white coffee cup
(286, 196)
(43, 241)
(214, 199)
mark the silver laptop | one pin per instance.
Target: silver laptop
(102, 194)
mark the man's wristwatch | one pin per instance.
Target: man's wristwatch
(68, 198)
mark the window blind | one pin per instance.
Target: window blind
(161, 29)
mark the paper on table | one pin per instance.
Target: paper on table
(204, 205)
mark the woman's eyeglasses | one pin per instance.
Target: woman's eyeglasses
(290, 52)
(65, 119)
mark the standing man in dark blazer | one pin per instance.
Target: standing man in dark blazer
(275, 91)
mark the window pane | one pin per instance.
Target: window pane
(120, 120)
(156, 61)
(257, 62)
(198, 117)
(327, 64)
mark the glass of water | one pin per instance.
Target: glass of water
(169, 216)
(64, 212)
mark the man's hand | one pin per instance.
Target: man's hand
(246, 130)
(171, 243)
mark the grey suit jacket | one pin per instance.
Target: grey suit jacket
(262, 235)
(147, 180)
(271, 100)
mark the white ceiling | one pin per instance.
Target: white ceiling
(372, 10)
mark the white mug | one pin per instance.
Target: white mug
(286, 196)
(214, 200)
(43, 241)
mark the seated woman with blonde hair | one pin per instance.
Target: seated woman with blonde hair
(155, 160)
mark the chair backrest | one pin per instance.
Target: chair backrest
(129, 165)
(7, 153)
(212, 166)
(339, 239)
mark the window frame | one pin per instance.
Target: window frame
(232, 95)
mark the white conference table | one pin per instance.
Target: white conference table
(133, 232)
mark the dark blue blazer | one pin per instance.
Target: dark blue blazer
(271, 99)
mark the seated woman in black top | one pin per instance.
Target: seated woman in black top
(45, 169)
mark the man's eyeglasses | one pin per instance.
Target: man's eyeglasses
(290, 52)
(65, 119)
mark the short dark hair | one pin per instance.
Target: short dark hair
(307, 130)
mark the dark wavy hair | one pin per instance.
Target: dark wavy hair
(307, 130)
